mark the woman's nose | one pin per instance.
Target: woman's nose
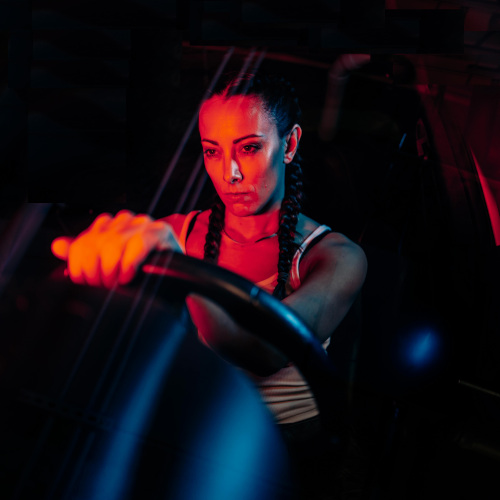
(232, 173)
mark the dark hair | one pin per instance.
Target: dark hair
(280, 102)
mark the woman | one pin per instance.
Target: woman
(250, 135)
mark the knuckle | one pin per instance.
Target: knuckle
(99, 221)
(140, 220)
(140, 241)
(74, 247)
(159, 224)
(135, 248)
(124, 214)
(103, 216)
(110, 252)
(144, 217)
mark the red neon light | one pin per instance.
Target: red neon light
(491, 203)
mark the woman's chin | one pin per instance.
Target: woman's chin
(241, 210)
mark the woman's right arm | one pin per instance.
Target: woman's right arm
(111, 250)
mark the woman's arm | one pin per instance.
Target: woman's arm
(112, 249)
(222, 334)
(332, 272)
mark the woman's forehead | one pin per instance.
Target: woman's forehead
(238, 113)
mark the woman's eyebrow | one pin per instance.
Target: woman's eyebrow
(215, 143)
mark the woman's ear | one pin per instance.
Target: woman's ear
(292, 143)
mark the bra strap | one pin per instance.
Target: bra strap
(308, 242)
(187, 227)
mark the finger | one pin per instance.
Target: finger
(100, 222)
(122, 219)
(110, 264)
(60, 247)
(90, 268)
(136, 250)
(125, 212)
(141, 219)
(75, 257)
(158, 235)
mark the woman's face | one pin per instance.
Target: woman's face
(244, 156)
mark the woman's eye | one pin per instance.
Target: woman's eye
(250, 148)
(209, 152)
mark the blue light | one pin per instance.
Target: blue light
(421, 348)
(118, 464)
(402, 140)
(237, 453)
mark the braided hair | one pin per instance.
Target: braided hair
(280, 102)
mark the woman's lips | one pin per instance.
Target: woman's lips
(237, 196)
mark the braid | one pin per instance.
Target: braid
(215, 226)
(289, 213)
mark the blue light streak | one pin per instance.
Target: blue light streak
(117, 470)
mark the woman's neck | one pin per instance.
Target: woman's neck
(251, 228)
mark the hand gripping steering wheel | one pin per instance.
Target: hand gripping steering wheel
(96, 410)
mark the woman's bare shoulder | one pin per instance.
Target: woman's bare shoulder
(334, 247)
(306, 225)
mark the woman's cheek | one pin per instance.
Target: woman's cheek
(212, 173)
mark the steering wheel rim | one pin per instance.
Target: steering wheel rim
(252, 307)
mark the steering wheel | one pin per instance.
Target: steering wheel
(92, 407)
(265, 316)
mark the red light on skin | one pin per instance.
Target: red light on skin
(238, 198)
(491, 203)
(112, 248)
(243, 154)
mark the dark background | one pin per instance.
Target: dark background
(95, 99)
